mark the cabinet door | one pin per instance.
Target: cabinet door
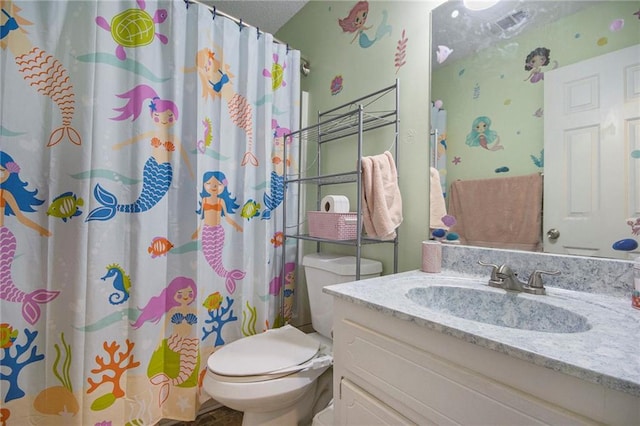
(361, 408)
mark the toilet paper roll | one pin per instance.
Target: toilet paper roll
(335, 204)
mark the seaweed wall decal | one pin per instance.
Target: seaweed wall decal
(401, 52)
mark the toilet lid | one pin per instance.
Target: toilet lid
(264, 353)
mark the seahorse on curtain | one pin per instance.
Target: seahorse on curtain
(14, 200)
(41, 71)
(175, 302)
(217, 203)
(158, 172)
(216, 81)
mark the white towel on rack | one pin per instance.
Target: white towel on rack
(381, 199)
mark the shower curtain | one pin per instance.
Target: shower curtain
(438, 144)
(141, 183)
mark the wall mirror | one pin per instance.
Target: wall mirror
(525, 88)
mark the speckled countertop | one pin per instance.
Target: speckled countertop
(608, 353)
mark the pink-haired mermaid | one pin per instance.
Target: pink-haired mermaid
(14, 199)
(175, 302)
(217, 203)
(157, 174)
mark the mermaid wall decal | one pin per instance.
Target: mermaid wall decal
(216, 203)
(158, 172)
(40, 70)
(15, 199)
(216, 82)
(175, 302)
(355, 22)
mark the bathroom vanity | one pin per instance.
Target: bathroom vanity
(448, 349)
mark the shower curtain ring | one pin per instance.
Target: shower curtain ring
(213, 13)
(240, 24)
(186, 3)
(258, 33)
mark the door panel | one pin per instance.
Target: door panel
(592, 145)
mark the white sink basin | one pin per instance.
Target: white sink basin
(504, 309)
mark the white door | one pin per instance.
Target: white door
(591, 137)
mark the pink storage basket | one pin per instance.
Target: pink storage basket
(333, 226)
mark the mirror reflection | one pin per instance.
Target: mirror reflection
(536, 125)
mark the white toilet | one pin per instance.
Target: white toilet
(283, 376)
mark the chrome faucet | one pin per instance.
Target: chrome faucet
(504, 277)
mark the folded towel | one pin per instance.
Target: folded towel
(501, 212)
(437, 208)
(381, 200)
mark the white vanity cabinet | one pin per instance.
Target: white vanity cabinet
(389, 369)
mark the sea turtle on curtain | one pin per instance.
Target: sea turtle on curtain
(134, 27)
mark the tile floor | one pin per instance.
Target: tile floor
(222, 416)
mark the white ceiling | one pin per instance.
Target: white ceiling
(268, 15)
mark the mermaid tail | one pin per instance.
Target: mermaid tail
(156, 180)
(212, 244)
(242, 116)
(272, 201)
(8, 290)
(49, 77)
(382, 30)
(162, 380)
(188, 350)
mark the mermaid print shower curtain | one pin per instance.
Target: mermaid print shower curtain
(141, 185)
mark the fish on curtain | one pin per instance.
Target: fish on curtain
(110, 303)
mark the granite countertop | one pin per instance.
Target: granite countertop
(607, 354)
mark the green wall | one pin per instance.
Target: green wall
(316, 33)
(492, 84)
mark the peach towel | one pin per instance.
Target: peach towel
(381, 200)
(437, 208)
(503, 212)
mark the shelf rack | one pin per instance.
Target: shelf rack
(376, 110)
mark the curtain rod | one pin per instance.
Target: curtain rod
(305, 67)
(226, 15)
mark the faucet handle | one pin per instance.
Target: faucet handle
(494, 269)
(535, 280)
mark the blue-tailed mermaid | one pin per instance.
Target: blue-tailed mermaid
(40, 70)
(273, 200)
(175, 302)
(215, 79)
(158, 172)
(355, 22)
(217, 203)
(14, 200)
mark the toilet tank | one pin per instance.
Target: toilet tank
(323, 269)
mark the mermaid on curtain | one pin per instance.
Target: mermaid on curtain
(216, 82)
(215, 204)
(42, 71)
(14, 200)
(158, 172)
(175, 302)
(71, 352)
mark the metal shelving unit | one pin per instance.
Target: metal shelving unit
(348, 123)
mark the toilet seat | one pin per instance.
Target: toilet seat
(266, 356)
